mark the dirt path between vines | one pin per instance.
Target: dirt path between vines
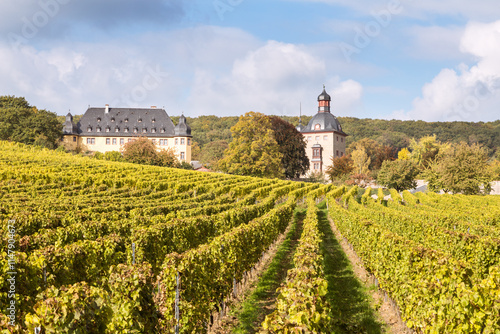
(387, 311)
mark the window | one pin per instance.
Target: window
(337, 138)
(161, 142)
(89, 129)
(325, 137)
(337, 152)
(98, 120)
(112, 120)
(153, 130)
(189, 141)
(317, 138)
(317, 127)
(117, 129)
(162, 130)
(317, 166)
(108, 129)
(341, 154)
(144, 130)
(165, 142)
(316, 152)
(176, 141)
(139, 120)
(126, 120)
(129, 140)
(125, 130)
(183, 156)
(108, 141)
(122, 141)
(90, 141)
(183, 141)
(74, 138)
(98, 129)
(309, 138)
(153, 120)
(114, 141)
(154, 141)
(341, 139)
(136, 130)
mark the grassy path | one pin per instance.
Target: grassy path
(348, 297)
(254, 309)
(350, 300)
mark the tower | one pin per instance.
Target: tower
(324, 136)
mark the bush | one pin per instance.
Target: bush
(113, 156)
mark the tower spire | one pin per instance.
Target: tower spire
(300, 115)
(324, 101)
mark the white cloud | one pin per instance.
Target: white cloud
(467, 93)
(474, 10)
(273, 79)
(144, 70)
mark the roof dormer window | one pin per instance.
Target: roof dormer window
(125, 130)
(108, 129)
(153, 130)
(98, 119)
(98, 129)
(136, 130)
(162, 130)
(126, 120)
(153, 120)
(89, 129)
(112, 120)
(139, 120)
(144, 130)
(117, 129)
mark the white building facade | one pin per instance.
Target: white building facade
(324, 136)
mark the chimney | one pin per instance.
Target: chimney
(106, 109)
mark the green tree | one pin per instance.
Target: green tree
(461, 169)
(398, 174)
(341, 167)
(26, 124)
(213, 152)
(292, 147)
(254, 150)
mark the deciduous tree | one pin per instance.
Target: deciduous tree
(341, 166)
(361, 160)
(21, 122)
(461, 169)
(398, 174)
(254, 150)
(292, 146)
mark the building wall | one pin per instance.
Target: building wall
(181, 145)
(333, 145)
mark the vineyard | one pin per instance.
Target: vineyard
(93, 246)
(437, 256)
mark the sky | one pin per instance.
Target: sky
(381, 59)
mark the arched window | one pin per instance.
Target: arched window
(317, 127)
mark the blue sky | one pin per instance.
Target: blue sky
(395, 59)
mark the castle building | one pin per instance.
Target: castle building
(324, 136)
(108, 129)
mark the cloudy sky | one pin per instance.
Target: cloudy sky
(391, 59)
